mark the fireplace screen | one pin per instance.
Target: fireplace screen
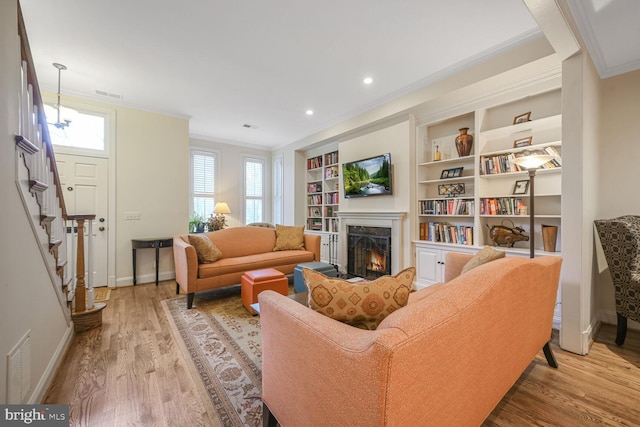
(368, 251)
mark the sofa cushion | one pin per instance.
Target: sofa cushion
(364, 304)
(483, 256)
(289, 238)
(206, 250)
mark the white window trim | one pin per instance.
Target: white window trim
(277, 193)
(254, 159)
(216, 174)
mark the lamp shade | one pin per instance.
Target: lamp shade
(532, 161)
(221, 208)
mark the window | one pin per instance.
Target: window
(277, 190)
(203, 182)
(253, 190)
(85, 131)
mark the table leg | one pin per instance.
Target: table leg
(157, 262)
(134, 266)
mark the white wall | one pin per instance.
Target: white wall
(618, 154)
(230, 177)
(28, 299)
(394, 139)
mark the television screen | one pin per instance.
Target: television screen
(367, 177)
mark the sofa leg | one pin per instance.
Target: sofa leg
(190, 299)
(177, 288)
(551, 360)
(268, 419)
(622, 329)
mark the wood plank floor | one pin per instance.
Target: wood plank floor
(130, 372)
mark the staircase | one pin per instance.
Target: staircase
(39, 187)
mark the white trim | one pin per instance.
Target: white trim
(52, 367)
(253, 159)
(216, 172)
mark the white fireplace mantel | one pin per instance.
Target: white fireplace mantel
(388, 219)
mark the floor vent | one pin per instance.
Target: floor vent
(19, 370)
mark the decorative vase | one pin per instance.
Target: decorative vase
(437, 156)
(549, 237)
(464, 142)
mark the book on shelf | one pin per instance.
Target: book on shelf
(314, 162)
(447, 207)
(502, 206)
(446, 233)
(314, 199)
(331, 172)
(314, 187)
(314, 212)
(331, 158)
(314, 224)
(503, 163)
(332, 198)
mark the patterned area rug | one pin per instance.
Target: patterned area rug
(223, 341)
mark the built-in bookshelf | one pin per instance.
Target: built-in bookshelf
(323, 192)
(459, 198)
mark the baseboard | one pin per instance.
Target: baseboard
(610, 316)
(145, 278)
(56, 360)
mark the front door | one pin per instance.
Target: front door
(85, 184)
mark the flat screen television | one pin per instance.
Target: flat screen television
(367, 177)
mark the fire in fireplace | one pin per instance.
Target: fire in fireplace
(368, 251)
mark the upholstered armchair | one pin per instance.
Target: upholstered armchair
(620, 239)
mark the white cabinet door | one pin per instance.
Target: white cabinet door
(428, 266)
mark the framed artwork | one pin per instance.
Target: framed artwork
(521, 187)
(451, 190)
(522, 118)
(522, 142)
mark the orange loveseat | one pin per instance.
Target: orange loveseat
(445, 359)
(243, 249)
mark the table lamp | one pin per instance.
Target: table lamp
(531, 162)
(221, 208)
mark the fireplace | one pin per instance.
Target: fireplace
(368, 251)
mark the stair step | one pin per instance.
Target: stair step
(26, 145)
(54, 244)
(36, 185)
(47, 218)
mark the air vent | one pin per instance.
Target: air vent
(249, 126)
(108, 94)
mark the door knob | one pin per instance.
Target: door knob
(101, 220)
(101, 228)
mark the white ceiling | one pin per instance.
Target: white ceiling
(226, 63)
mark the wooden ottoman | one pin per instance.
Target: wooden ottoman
(256, 281)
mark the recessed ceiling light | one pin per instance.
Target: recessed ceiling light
(367, 80)
(309, 112)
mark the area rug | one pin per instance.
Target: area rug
(101, 294)
(223, 341)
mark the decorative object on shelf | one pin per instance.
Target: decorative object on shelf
(464, 142)
(522, 118)
(451, 173)
(521, 186)
(219, 221)
(505, 235)
(549, 237)
(451, 190)
(522, 142)
(437, 155)
(531, 162)
(196, 223)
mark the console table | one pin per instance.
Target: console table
(156, 243)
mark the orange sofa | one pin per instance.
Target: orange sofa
(243, 249)
(445, 359)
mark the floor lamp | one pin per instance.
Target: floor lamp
(531, 162)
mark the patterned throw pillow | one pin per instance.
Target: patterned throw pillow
(484, 256)
(289, 238)
(364, 304)
(207, 251)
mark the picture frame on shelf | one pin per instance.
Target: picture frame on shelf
(451, 173)
(521, 187)
(522, 142)
(451, 190)
(522, 118)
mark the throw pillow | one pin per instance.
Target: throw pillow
(484, 256)
(364, 304)
(207, 251)
(289, 238)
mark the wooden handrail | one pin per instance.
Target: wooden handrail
(25, 53)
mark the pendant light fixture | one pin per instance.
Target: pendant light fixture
(65, 122)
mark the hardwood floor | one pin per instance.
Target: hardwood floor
(130, 372)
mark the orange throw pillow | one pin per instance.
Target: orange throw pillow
(363, 304)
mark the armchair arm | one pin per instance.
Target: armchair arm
(298, 343)
(453, 264)
(312, 243)
(186, 264)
